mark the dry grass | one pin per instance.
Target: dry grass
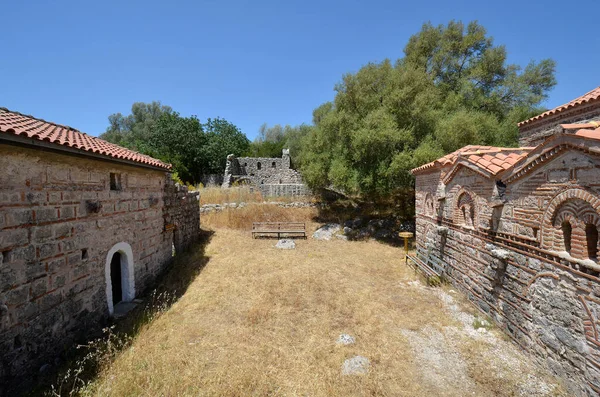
(242, 218)
(240, 194)
(258, 321)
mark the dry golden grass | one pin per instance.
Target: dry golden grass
(240, 194)
(216, 195)
(242, 218)
(258, 321)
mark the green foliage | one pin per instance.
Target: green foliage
(179, 141)
(272, 140)
(192, 148)
(222, 139)
(452, 88)
(133, 130)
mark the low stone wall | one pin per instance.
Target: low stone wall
(207, 208)
(284, 190)
(181, 215)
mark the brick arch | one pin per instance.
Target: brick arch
(576, 206)
(465, 199)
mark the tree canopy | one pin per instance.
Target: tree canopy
(194, 149)
(453, 87)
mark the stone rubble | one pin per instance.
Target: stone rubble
(286, 244)
(357, 365)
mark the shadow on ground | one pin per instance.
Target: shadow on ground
(368, 220)
(84, 362)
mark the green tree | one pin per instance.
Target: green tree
(222, 138)
(453, 87)
(133, 130)
(272, 140)
(179, 141)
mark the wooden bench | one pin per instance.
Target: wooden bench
(428, 263)
(287, 229)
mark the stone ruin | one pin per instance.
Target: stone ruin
(517, 231)
(271, 176)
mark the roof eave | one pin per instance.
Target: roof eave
(31, 142)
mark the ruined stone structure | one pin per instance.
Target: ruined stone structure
(517, 232)
(272, 176)
(84, 225)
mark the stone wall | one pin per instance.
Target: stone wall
(272, 176)
(60, 218)
(508, 255)
(535, 132)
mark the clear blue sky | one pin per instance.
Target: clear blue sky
(76, 62)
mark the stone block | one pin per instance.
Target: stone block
(46, 214)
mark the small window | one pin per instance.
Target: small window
(115, 181)
(591, 234)
(258, 165)
(245, 164)
(84, 254)
(567, 229)
(4, 256)
(273, 165)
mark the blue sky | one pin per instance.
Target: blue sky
(76, 62)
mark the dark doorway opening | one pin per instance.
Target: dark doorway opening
(115, 278)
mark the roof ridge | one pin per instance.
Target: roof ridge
(593, 93)
(42, 120)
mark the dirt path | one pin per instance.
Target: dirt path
(261, 321)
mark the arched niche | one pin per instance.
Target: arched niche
(571, 224)
(120, 257)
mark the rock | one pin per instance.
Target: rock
(345, 339)
(285, 244)
(347, 230)
(44, 368)
(357, 365)
(327, 231)
(341, 237)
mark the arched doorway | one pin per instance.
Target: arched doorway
(116, 278)
(119, 273)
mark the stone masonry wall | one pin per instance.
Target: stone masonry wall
(272, 176)
(182, 212)
(59, 217)
(510, 259)
(536, 132)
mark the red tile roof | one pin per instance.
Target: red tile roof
(30, 127)
(491, 160)
(593, 95)
(595, 134)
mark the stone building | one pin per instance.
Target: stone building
(272, 176)
(517, 231)
(85, 227)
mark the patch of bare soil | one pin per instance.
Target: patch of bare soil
(471, 358)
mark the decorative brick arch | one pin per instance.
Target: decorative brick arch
(577, 207)
(465, 211)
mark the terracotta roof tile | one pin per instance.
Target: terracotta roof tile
(30, 127)
(593, 95)
(491, 160)
(595, 134)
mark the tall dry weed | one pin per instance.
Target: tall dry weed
(242, 218)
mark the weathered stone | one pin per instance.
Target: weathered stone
(345, 339)
(357, 365)
(286, 244)
(326, 232)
